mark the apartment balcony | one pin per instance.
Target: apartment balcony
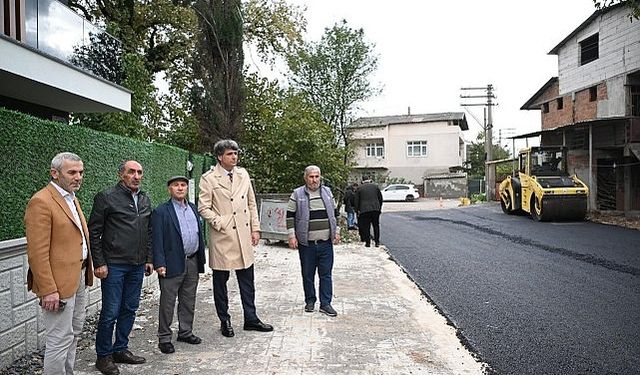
(52, 57)
(370, 162)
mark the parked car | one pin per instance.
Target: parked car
(400, 192)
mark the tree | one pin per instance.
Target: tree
(199, 56)
(154, 35)
(476, 157)
(634, 5)
(196, 105)
(274, 27)
(218, 90)
(145, 113)
(284, 134)
(334, 75)
(157, 29)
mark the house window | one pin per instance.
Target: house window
(375, 150)
(545, 107)
(589, 49)
(416, 148)
(593, 94)
(634, 92)
(560, 103)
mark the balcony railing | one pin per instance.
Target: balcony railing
(53, 28)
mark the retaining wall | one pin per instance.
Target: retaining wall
(21, 325)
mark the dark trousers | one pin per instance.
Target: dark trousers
(317, 257)
(247, 294)
(365, 220)
(184, 287)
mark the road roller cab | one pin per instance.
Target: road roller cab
(542, 187)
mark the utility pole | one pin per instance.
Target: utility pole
(489, 172)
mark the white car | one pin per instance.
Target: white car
(400, 192)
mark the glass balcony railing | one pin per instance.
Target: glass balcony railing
(53, 28)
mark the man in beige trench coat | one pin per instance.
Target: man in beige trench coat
(228, 204)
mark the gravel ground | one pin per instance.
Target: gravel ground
(32, 364)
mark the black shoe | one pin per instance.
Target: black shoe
(368, 244)
(106, 366)
(193, 339)
(126, 356)
(327, 309)
(226, 329)
(309, 307)
(166, 347)
(257, 326)
(377, 243)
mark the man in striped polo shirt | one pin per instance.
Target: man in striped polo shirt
(313, 230)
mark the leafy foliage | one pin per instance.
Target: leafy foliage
(29, 160)
(334, 75)
(102, 56)
(155, 35)
(274, 27)
(476, 158)
(634, 6)
(143, 106)
(218, 90)
(284, 134)
(158, 29)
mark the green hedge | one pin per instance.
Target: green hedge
(27, 145)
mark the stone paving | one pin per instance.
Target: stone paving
(385, 325)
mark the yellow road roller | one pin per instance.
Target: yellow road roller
(543, 188)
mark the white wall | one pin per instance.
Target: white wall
(362, 136)
(443, 149)
(619, 53)
(34, 77)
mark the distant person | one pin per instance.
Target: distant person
(60, 266)
(313, 230)
(120, 233)
(349, 202)
(368, 205)
(228, 204)
(178, 257)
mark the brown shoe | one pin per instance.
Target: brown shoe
(126, 356)
(106, 366)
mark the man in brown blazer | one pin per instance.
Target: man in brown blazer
(228, 205)
(59, 260)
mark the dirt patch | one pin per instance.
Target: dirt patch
(614, 219)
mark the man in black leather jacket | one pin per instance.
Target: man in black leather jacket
(120, 237)
(368, 205)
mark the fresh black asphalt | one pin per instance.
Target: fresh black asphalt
(527, 297)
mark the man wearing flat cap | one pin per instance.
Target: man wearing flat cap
(178, 258)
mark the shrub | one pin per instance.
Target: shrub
(482, 197)
(29, 144)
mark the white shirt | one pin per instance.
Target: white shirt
(69, 197)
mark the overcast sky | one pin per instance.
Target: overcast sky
(428, 50)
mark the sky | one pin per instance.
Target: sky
(428, 50)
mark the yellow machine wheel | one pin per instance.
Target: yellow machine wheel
(506, 203)
(536, 209)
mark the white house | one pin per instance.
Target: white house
(409, 147)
